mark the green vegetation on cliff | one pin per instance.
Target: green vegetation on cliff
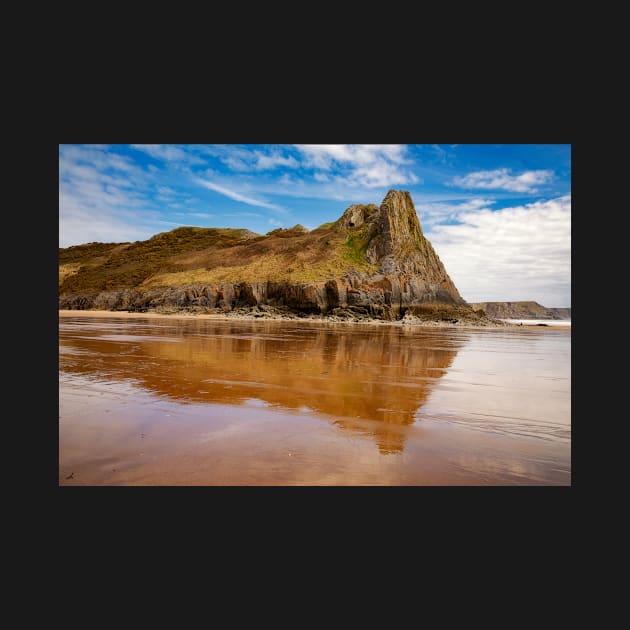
(188, 255)
(372, 259)
(119, 266)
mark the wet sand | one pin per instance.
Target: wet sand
(193, 400)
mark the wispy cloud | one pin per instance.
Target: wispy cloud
(369, 165)
(274, 160)
(237, 196)
(250, 215)
(343, 169)
(201, 215)
(122, 192)
(97, 156)
(519, 253)
(168, 153)
(441, 153)
(102, 197)
(165, 190)
(432, 213)
(501, 179)
(242, 159)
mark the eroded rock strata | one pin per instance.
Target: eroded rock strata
(386, 268)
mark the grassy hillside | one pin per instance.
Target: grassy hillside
(189, 255)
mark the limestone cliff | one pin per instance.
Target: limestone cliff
(521, 310)
(374, 260)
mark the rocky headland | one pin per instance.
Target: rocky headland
(373, 263)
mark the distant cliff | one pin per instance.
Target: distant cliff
(521, 310)
(373, 260)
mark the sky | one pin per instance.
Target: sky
(498, 215)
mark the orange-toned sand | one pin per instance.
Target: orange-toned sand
(195, 400)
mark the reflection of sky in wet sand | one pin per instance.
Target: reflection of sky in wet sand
(369, 380)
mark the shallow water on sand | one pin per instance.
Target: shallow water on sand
(202, 402)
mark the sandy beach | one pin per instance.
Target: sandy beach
(314, 314)
(194, 400)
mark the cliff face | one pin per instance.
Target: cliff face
(373, 259)
(402, 248)
(521, 310)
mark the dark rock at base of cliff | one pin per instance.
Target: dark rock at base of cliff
(379, 297)
(405, 273)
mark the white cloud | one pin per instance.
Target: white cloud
(98, 146)
(502, 179)
(250, 215)
(81, 227)
(236, 163)
(200, 215)
(102, 197)
(432, 213)
(265, 162)
(89, 212)
(237, 196)
(344, 168)
(520, 253)
(441, 153)
(96, 156)
(165, 190)
(168, 153)
(369, 165)
(243, 159)
(325, 155)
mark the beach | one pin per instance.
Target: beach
(152, 399)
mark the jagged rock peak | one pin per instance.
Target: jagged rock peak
(400, 244)
(398, 211)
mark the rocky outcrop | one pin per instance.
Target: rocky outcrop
(406, 272)
(521, 310)
(401, 248)
(380, 296)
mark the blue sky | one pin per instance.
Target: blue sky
(498, 215)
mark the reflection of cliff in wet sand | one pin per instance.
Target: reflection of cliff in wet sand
(372, 381)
